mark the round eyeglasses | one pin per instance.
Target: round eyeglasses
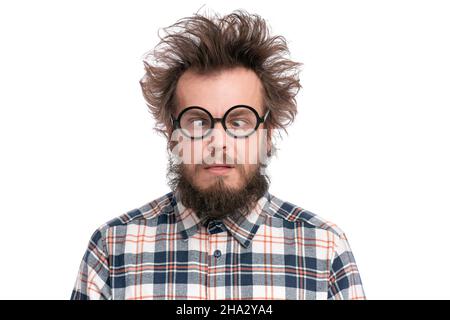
(239, 121)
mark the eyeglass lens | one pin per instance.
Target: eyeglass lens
(239, 122)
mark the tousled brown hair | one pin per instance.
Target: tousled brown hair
(208, 45)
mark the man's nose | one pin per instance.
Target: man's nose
(218, 138)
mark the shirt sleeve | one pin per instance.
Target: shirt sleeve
(344, 282)
(92, 282)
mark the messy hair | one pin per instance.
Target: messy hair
(209, 45)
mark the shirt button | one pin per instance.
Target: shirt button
(217, 253)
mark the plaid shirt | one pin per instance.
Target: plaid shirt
(162, 250)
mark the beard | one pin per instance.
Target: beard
(218, 200)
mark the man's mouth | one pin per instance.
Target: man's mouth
(218, 168)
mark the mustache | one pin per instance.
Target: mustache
(218, 201)
(222, 159)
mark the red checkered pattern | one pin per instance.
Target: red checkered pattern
(162, 250)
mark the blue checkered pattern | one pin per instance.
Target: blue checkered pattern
(162, 250)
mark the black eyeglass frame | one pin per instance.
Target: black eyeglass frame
(259, 120)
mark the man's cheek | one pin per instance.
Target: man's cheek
(248, 150)
(240, 151)
(190, 151)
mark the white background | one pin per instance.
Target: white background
(369, 149)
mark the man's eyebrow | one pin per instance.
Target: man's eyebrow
(239, 112)
(196, 112)
(242, 111)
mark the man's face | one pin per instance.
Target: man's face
(219, 175)
(217, 93)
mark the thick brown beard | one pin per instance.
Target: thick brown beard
(218, 201)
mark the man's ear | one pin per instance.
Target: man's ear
(269, 140)
(168, 131)
(171, 145)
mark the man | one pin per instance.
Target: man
(218, 88)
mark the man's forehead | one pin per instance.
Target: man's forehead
(220, 91)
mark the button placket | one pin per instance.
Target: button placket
(217, 253)
(216, 286)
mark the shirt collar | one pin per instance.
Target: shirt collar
(242, 229)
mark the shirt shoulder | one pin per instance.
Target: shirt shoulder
(147, 211)
(295, 214)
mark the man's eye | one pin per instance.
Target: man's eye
(239, 123)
